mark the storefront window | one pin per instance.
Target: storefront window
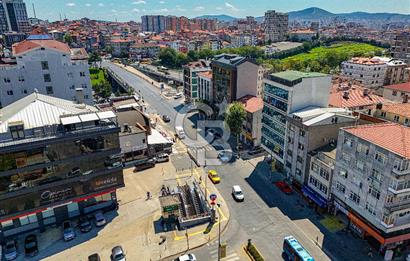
(28, 219)
(7, 224)
(48, 213)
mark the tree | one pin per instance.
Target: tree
(109, 49)
(103, 88)
(68, 39)
(94, 58)
(180, 60)
(205, 53)
(193, 56)
(235, 116)
(168, 57)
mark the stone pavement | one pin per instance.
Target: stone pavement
(133, 227)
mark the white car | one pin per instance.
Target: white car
(225, 155)
(237, 193)
(99, 219)
(178, 95)
(187, 257)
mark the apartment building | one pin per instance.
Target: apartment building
(58, 160)
(285, 93)
(369, 72)
(47, 66)
(397, 72)
(121, 47)
(153, 23)
(401, 47)
(234, 76)
(190, 72)
(146, 50)
(13, 16)
(319, 185)
(252, 126)
(276, 26)
(205, 89)
(397, 92)
(396, 112)
(371, 182)
(308, 130)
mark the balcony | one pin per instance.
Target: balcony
(397, 205)
(402, 169)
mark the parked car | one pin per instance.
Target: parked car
(68, 231)
(94, 257)
(214, 177)
(178, 95)
(256, 151)
(187, 257)
(146, 165)
(117, 254)
(162, 157)
(10, 250)
(237, 193)
(84, 224)
(284, 187)
(225, 156)
(166, 118)
(30, 245)
(99, 219)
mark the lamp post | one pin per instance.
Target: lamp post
(219, 232)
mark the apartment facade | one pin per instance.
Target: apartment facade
(58, 160)
(370, 72)
(371, 181)
(13, 16)
(205, 89)
(397, 72)
(191, 80)
(47, 66)
(308, 130)
(285, 93)
(153, 23)
(401, 47)
(251, 134)
(396, 112)
(276, 26)
(397, 92)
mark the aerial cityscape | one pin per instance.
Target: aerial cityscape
(204, 130)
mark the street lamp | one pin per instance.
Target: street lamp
(219, 232)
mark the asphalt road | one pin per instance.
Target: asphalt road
(266, 215)
(173, 73)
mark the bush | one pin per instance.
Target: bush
(255, 253)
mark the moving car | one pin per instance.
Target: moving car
(225, 155)
(10, 250)
(30, 245)
(68, 231)
(187, 257)
(162, 157)
(213, 175)
(237, 193)
(84, 224)
(284, 187)
(117, 254)
(166, 118)
(99, 219)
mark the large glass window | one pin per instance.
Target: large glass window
(276, 103)
(276, 91)
(274, 114)
(273, 125)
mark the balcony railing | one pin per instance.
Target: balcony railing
(403, 168)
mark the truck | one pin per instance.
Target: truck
(180, 132)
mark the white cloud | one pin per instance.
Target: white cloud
(113, 10)
(101, 4)
(179, 8)
(231, 7)
(199, 8)
(162, 2)
(218, 8)
(163, 10)
(139, 2)
(136, 10)
(88, 4)
(70, 4)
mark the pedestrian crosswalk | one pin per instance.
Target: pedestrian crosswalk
(231, 255)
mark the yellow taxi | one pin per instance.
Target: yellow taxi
(213, 175)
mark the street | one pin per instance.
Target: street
(267, 215)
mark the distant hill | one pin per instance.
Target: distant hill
(222, 17)
(315, 13)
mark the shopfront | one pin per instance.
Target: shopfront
(315, 198)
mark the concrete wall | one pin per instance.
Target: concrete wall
(247, 81)
(388, 94)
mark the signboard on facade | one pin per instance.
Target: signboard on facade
(56, 194)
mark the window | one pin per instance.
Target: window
(6, 80)
(370, 208)
(47, 77)
(299, 159)
(10, 92)
(407, 122)
(82, 74)
(302, 133)
(340, 187)
(70, 75)
(28, 219)
(361, 148)
(354, 197)
(44, 65)
(383, 114)
(376, 175)
(298, 172)
(396, 118)
(360, 165)
(8, 223)
(17, 131)
(49, 90)
(324, 173)
(315, 167)
(301, 146)
(343, 173)
(374, 192)
(84, 86)
(348, 142)
(21, 78)
(394, 93)
(380, 157)
(72, 87)
(345, 157)
(86, 97)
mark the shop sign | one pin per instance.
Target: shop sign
(53, 195)
(341, 208)
(105, 182)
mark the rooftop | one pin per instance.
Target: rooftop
(354, 98)
(390, 136)
(297, 75)
(404, 87)
(367, 61)
(206, 74)
(252, 104)
(27, 45)
(402, 109)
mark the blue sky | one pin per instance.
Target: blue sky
(125, 10)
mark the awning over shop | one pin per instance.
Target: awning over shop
(310, 193)
(357, 221)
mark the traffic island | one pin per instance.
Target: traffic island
(252, 252)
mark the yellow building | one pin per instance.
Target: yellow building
(399, 113)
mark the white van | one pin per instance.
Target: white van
(180, 132)
(237, 193)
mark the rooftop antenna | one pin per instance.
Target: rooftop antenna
(34, 11)
(60, 17)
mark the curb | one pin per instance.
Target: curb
(249, 254)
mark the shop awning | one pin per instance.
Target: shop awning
(308, 192)
(357, 221)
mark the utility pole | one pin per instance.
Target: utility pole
(219, 232)
(187, 238)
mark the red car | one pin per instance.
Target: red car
(284, 187)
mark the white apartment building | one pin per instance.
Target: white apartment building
(370, 72)
(243, 40)
(48, 66)
(205, 91)
(191, 71)
(276, 26)
(371, 181)
(284, 93)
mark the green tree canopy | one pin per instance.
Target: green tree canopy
(68, 38)
(235, 115)
(168, 57)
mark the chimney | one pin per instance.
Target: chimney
(405, 98)
(126, 127)
(346, 95)
(365, 92)
(79, 95)
(379, 106)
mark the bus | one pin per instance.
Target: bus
(294, 251)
